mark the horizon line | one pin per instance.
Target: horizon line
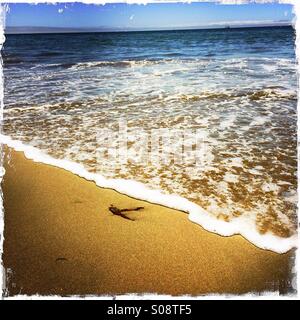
(46, 30)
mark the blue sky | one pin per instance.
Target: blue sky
(78, 15)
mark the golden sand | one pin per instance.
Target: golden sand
(60, 238)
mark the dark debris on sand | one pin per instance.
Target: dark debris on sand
(119, 212)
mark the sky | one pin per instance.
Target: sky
(155, 16)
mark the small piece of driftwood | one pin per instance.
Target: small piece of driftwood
(119, 212)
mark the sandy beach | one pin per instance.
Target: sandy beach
(60, 238)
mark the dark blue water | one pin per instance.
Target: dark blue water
(188, 44)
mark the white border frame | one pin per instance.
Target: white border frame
(264, 296)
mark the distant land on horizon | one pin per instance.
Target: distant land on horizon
(35, 29)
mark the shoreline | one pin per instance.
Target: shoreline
(60, 238)
(140, 191)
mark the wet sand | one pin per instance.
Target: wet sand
(60, 238)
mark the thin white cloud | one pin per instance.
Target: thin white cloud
(236, 2)
(131, 17)
(60, 10)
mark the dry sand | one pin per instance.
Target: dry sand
(60, 238)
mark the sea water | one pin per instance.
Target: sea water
(237, 88)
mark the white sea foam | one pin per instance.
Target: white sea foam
(243, 225)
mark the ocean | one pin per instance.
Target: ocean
(235, 88)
